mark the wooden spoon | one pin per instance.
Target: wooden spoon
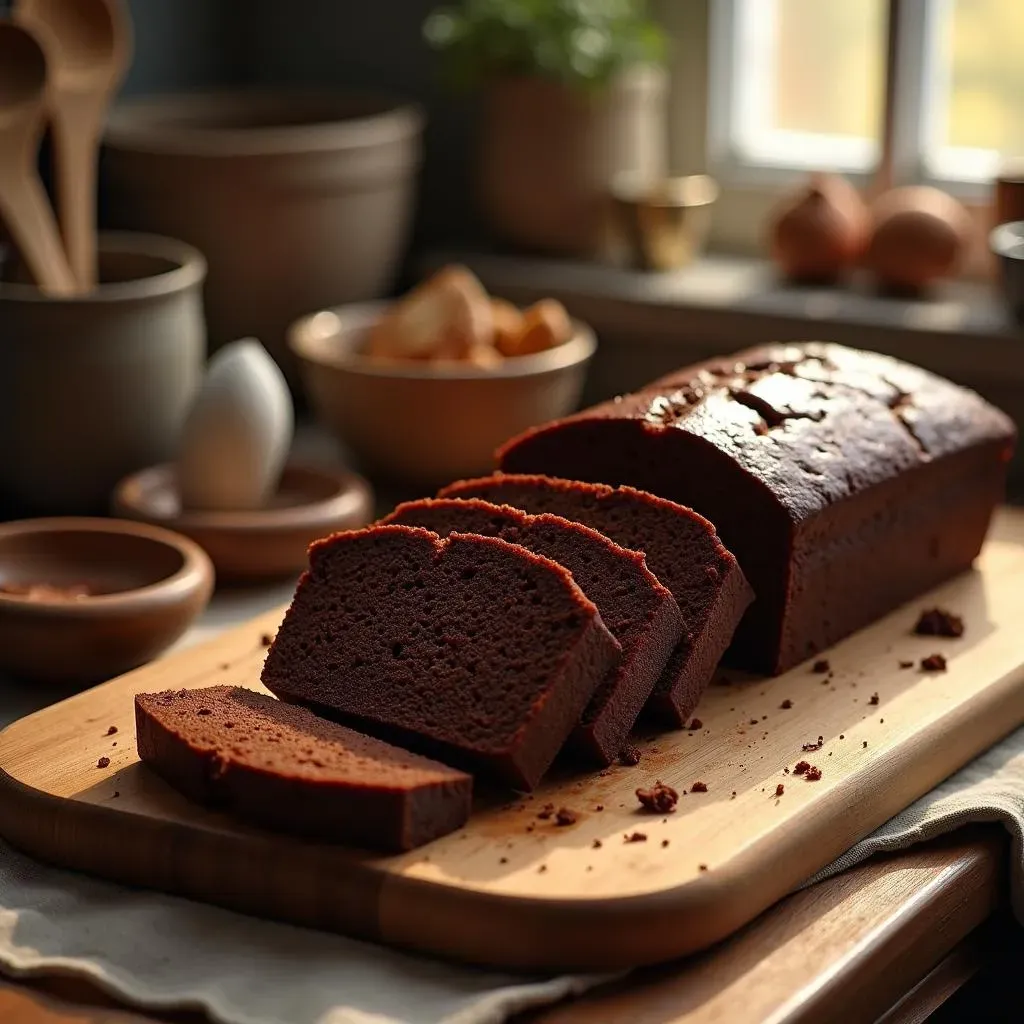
(89, 45)
(24, 205)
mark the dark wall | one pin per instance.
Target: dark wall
(179, 45)
(371, 44)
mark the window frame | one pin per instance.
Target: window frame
(909, 74)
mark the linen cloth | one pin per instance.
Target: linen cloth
(162, 952)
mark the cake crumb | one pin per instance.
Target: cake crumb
(636, 837)
(733, 797)
(224, 666)
(815, 746)
(812, 774)
(629, 755)
(599, 807)
(503, 860)
(267, 639)
(842, 735)
(564, 816)
(780, 789)
(753, 721)
(786, 704)
(547, 811)
(800, 767)
(696, 724)
(112, 730)
(664, 843)
(117, 793)
(659, 799)
(821, 666)
(702, 867)
(864, 744)
(542, 869)
(699, 787)
(906, 664)
(875, 699)
(596, 844)
(933, 663)
(939, 622)
(103, 762)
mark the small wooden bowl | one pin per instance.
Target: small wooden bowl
(82, 600)
(262, 544)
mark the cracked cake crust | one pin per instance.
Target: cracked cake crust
(845, 482)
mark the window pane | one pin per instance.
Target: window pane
(808, 85)
(976, 94)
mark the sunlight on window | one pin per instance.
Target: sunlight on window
(810, 84)
(976, 87)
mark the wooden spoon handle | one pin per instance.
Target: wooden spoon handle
(26, 211)
(76, 147)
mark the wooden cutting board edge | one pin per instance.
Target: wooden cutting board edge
(525, 933)
(632, 931)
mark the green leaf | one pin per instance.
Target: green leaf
(581, 42)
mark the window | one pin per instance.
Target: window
(932, 90)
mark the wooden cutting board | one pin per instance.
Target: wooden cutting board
(515, 889)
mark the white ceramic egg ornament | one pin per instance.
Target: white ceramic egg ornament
(237, 433)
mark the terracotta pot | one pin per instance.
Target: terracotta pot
(298, 200)
(549, 154)
(1008, 193)
(97, 386)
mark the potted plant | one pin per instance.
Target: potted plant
(573, 93)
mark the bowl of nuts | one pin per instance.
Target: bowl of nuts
(424, 390)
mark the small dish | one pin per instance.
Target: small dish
(661, 225)
(1007, 242)
(82, 600)
(260, 544)
(422, 423)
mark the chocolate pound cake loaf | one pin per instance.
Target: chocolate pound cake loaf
(845, 482)
(681, 549)
(282, 767)
(470, 649)
(641, 614)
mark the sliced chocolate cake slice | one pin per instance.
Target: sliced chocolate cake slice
(280, 766)
(682, 549)
(469, 648)
(640, 612)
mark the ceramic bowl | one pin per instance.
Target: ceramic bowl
(261, 544)
(297, 198)
(1007, 242)
(82, 600)
(422, 423)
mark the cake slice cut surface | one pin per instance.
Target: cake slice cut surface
(638, 610)
(469, 649)
(682, 549)
(282, 767)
